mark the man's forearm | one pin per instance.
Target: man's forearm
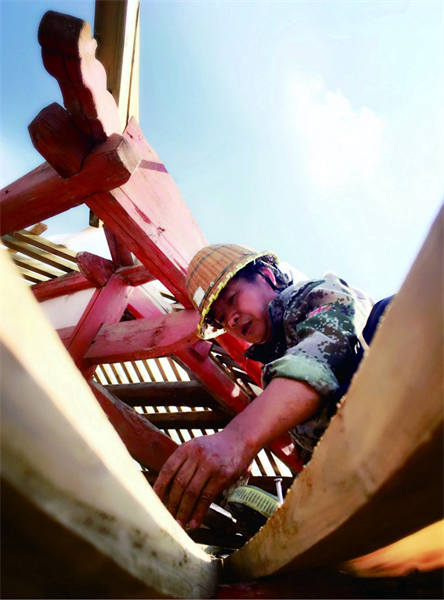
(282, 405)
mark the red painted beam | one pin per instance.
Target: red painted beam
(143, 338)
(95, 268)
(68, 53)
(146, 444)
(42, 193)
(120, 255)
(135, 274)
(59, 286)
(106, 306)
(60, 142)
(150, 217)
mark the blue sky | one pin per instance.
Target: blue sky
(311, 128)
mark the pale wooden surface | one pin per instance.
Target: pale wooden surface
(64, 461)
(377, 474)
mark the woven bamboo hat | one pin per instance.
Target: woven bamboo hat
(209, 272)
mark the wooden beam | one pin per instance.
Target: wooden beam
(135, 274)
(120, 255)
(95, 268)
(40, 255)
(143, 338)
(146, 444)
(45, 244)
(116, 29)
(66, 284)
(75, 508)
(169, 393)
(151, 219)
(106, 306)
(377, 474)
(36, 266)
(61, 143)
(42, 193)
(68, 53)
(202, 419)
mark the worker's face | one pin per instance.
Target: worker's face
(242, 309)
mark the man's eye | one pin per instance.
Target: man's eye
(231, 298)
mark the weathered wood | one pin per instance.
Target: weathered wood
(203, 419)
(106, 306)
(42, 193)
(116, 29)
(40, 255)
(61, 143)
(66, 284)
(95, 268)
(45, 244)
(146, 444)
(86, 516)
(377, 474)
(36, 266)
(143, 338)
(68, 52)
(169, 393)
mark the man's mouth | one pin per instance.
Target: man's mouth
(245, 328)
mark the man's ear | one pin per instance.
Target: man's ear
(268, 273)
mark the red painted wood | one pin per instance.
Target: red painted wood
(135, 274)
(143, 338)
(106, 306)
(66, 284)
(146, 444)
(42, 193)
(95, 268)
(142, 307)
(60, 142)
(65, 334)
(68, 52)
(120, 254)
(150, 217)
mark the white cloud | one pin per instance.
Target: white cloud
(337, 142)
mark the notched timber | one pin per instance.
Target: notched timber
(95, 268)
(143, 338)
(42, 193)
(68, 52)
(60, 286)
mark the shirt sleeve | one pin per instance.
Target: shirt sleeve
(322, 331)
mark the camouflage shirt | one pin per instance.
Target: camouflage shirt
(316, 338)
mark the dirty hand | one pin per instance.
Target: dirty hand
(198, 471)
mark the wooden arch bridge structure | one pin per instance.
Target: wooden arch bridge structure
(75, 504)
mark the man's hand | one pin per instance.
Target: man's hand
(198, 471)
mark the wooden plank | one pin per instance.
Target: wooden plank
(44, 244)
(202, 419)
(377, 474)
(87, 517)
(36, 266)
(42, 193)
(116, 29)
(174, 393)
(60, 286)
(41, 255)
(30, 276)
(143, 338)
(106, 306)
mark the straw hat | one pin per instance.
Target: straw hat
(209, 272)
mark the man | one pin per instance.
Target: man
(307, 334)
